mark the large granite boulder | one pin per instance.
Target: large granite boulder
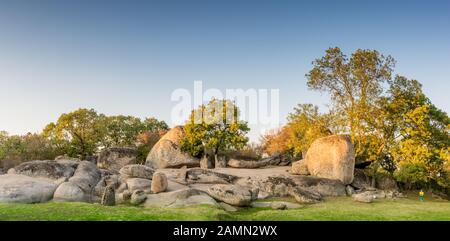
(86, 176)
(232, 194)
(46, 169)
(115, 158)
(16, 188)
(136, 171)
(332, 157)
(80, 187)
(167, 153)
(70, 192)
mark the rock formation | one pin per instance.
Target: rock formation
(167, 153)
(115, 158)
(330, 157)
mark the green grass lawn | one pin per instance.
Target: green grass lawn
(342, 208)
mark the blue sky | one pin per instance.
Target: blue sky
(126, 57)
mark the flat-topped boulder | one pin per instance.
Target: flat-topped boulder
(232, 194)
(179, 198)
(199, 175)
(46, 169)
(139, 184)
(136, 171)
(167, 153)
(115, 158)
(16, 188)
(303, 195)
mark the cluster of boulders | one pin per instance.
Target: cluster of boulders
(172, 178)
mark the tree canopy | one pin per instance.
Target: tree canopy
(214, 127)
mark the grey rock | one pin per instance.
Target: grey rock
(86, 176)
(139, 184)
(123, 197)
(46, 169)
(109, 196)
(305, 196)
(385, 182)
(116, 157)
(363, 197)
(123, 186)
(241, 163)
(137, 171)
(198, 175)
(182, 174)
(194, 200)
(15, 188)
(349, 190)
(281, 185)
(254, 193)
(287, 205)
(361, 180)
(138, 197)
(174, 185)
(227, 207)
(70, 192)
(278, 206)
(231, 194)
(178, 198)
(82, 186)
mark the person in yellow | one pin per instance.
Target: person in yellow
(421, 196)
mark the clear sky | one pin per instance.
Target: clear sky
(126, 57)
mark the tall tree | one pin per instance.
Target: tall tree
(214, 127)
(120, 130)
(81, 129)
(417, 133)
(355, 85)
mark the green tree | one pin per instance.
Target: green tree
(121, 130)
(214, 128)
(152, 124)
(417, 133)
(81, 131)
(19, 148)
(355, 85)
